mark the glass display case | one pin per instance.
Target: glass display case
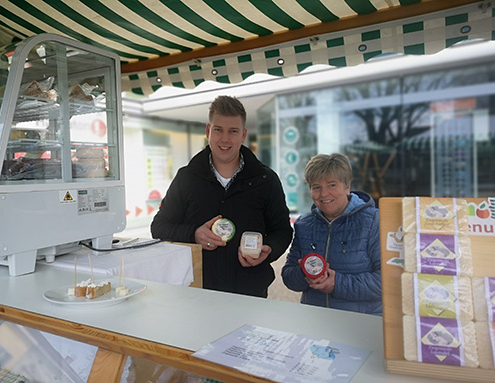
(61, 169)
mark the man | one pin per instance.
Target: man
(226, 180)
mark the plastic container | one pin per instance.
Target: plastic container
(313, 265)
(251, 243)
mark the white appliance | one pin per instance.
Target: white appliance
(61, 160)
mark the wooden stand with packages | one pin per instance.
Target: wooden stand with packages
(391, 236)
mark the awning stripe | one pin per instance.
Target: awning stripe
(231, 13)
(194, 18)
(32, 22)
(161, 23)
(361, 7)
(273, 11)
(317, 9)
(256, 16)
(384, 4)
(297, 12)
(40, 21)
(12, 18)
(114, 18)
(339, 8)
(181, 22)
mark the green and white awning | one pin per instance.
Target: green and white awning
(185, 42)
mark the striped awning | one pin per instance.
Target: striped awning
(185, 42)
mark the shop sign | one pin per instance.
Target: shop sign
(481, 216)
(291, 135)
(291, 157)
(292, 180)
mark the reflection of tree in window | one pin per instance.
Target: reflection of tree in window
(389, 139)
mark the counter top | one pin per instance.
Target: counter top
(189, 318)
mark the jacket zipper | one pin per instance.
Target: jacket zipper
(327, 249)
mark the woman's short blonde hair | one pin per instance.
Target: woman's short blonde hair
(322, 165)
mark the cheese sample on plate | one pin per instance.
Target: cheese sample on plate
(121, 291)
(444, 296)
(440, 341)
(437, 254)
(251, 243)
(434, 215)
(484, 298)
(485, 338)
(96, 290)
(224, 228)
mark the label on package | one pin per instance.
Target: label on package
(437, 254)
(440, 341)
(436, 295)
(436, 215)
(251, 242)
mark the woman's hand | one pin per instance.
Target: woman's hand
(324, 283)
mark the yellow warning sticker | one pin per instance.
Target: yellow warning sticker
(67, 196)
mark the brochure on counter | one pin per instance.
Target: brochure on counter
(284, 357)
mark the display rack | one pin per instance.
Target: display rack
(483, 265)
(61, 160)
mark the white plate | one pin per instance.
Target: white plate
(59, 295)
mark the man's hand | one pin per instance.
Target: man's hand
(325, 283)
(206, 238)
(249, 261)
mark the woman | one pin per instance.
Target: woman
(343, 228)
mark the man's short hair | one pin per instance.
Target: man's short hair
(322, 165)
(227, 106)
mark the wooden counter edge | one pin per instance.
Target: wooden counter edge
(113, 347)
(457, 373)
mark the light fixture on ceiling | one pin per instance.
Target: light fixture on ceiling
(465, 29)
(485, 5)
(214, 72)
(280, 61)
(314, 40)
(362, 47)
(159, 80)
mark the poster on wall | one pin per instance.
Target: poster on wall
(159, 167)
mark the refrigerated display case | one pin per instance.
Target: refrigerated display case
(61, 178)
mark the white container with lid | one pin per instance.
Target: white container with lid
(251, 243)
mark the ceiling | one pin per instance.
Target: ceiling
(150, 35)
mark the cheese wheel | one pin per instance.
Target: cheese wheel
(470, 352)
(434, 215)
(437, 299)
(438, 254)
(485, 344)
(224, 228)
